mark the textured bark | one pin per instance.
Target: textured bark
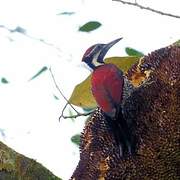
(153, 111)
(14, 166)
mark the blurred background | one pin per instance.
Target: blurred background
(38, 34)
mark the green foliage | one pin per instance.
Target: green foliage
(4, 80)
(19, 29)
(55, 97)
(39, 72)
(133, 52)
(82, 96)
(90, 26)
(123, 63)
(76, 139)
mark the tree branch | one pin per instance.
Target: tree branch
(68, 103)
(148, 8)
(17, 166)
(74, 116)
(78, 114)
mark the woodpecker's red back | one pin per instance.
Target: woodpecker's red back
(107, 88)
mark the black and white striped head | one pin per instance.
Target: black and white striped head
(94, 56)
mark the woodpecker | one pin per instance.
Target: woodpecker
(107, 88)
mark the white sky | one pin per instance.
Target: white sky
(29, 113)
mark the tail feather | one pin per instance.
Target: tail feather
(121, 131)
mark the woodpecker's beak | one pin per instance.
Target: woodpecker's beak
(106, 47)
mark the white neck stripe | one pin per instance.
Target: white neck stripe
(95, 60)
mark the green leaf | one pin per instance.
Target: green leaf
(76, 139)
(2, 133)
(55, 97)
(123, 63)
(39, 72)
(133, 52)
(4, 80)
(90, 26)
(82, 95)
(66, 13)
(19, 29)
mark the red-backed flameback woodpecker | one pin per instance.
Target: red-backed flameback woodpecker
(107, 88)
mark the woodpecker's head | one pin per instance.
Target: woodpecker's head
(94, 56)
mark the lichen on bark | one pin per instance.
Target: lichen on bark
(153, 110)
(14, 166)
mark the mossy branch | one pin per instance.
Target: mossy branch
(14, 166)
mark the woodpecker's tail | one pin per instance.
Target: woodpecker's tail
(122, 134)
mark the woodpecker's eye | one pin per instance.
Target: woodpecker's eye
(98, 46)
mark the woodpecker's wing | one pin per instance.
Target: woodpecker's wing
(104, 102)
(107, 87)
(114, 84)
